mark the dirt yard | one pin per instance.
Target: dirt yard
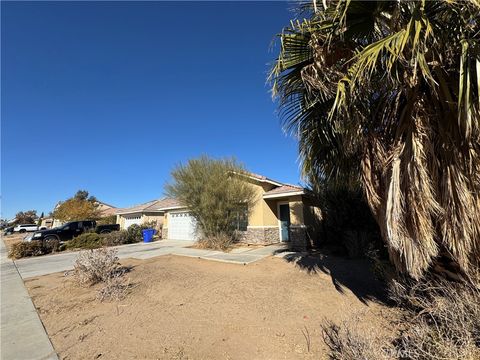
(186, 308)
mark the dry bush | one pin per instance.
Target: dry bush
(25, 249)
(443, 319)
(221, 242)
(115, 287)
(94, 266)
(348, 342)
(116, 238)
(102, 266)
(87, 240)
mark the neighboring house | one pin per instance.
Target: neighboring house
(106, 209)
(144, 213)
(282, 213)
(47, 223)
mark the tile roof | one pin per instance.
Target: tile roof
(263, 178)
(167, 203)
(287, 188)
(153, 205)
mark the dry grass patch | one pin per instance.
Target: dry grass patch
(440, 320)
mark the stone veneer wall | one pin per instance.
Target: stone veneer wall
(268, 235)
(259, 235)
(298, 237)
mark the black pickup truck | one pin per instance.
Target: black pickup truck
(72, 229)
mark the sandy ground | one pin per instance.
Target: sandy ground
(187, 308)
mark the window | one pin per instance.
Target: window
(242, 218)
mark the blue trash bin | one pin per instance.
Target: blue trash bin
(148, 235)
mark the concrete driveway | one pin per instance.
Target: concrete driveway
(43, 265)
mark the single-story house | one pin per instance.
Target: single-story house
(282, 213)
(144, 213)
(106, 209)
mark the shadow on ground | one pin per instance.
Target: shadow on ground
(353, 274)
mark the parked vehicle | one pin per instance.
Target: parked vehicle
(8, 230)
(25, 227)
(71, 229)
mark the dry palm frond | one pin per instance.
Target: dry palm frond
(385, 96)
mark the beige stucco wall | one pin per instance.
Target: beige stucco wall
(153, 217)
(296, 210)
(263, 213)
(145, 217)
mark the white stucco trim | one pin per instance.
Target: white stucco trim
(131, 213)
(171, 208)
(283, 195)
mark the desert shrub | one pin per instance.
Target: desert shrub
(216, 193)
(25, 249)
(102, 266)
(217, 242)
(116, 238)
(53, 246)
(443, 319)
(347, 342)
(114, 287)
(88, 240)
(440, 320)
(96, 265)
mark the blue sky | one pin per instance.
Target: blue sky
(109, 97)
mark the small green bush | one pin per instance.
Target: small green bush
(86, 241)
(25, 249)
(135, 231)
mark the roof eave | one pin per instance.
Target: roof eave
(283, 194)
(172, 208)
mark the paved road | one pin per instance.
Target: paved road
(43, 265)
(23, 336)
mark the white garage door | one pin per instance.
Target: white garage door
(181, 226)
(132, 219)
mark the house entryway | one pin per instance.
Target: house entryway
(284, 221)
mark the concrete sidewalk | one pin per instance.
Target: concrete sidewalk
(43, 265)
(22, 334)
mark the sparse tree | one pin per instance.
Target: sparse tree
(79, 207)
(215, 192)
(26, 217)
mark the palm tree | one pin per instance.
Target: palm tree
(384, 96)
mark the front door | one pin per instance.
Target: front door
(284, 216)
